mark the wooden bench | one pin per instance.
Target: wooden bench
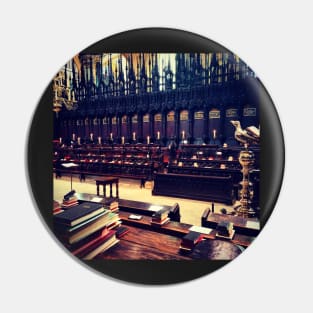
(83, 174)
(132, 206)
(242, 225)
(142, 208)
(198, 187)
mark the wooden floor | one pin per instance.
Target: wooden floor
(190, 210)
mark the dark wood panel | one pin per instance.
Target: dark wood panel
(207, 188)
(199, 128)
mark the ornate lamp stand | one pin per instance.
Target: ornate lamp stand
(246, 159)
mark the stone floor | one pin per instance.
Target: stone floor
(190, 210)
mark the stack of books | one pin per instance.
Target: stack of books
(190, 240)
(160, 217)
(72, 201)
(69, 200)
(225, 230)
(56, 208)
(112, 205)
(103, 242)
(87, 229)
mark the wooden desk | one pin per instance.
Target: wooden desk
(107, 181)
(145, 241)
(241, 224)
(132, 206)
(173, 228)
(179, 229)
(141, 244)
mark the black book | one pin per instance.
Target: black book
(121, 231)
(69, 195)
(66, 229)
(79, 213)
(191, 239)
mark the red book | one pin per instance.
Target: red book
(98, 247)
(104, 234)
(57, 210)
(69, 205)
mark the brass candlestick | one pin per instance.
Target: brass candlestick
(246, 160)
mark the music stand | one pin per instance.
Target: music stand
(69, 165)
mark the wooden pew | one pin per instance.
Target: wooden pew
(245, 226)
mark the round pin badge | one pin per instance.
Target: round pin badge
(155, 156)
